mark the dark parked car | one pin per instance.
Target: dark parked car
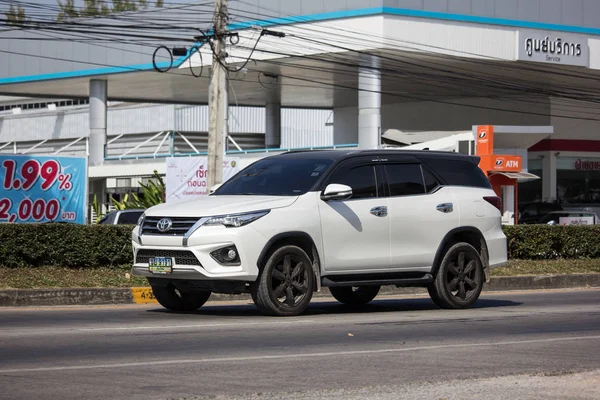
(122, 217)
(531, 213)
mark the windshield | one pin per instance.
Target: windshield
(277, 176)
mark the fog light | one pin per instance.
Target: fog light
(231, 255)
(226, 256)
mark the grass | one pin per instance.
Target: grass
(548, 267)
(53, 277)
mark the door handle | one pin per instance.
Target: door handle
(379, 211)
(445, 207)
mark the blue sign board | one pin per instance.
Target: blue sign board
(42, 189)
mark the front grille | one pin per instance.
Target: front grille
(179, 228)
(182, 257)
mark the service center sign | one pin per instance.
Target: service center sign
(187, 176)
(42, 189)
(553, 48)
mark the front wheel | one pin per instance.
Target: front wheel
(173, 299)
(285, 286)
(459, 279)
(354, 296)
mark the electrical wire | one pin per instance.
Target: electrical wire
(334, 35)
(399, 67)
(197, 50)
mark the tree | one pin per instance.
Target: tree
(152, 194)
(100, 8)
(67, 10)
(15, 15)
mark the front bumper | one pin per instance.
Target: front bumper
(194, 261)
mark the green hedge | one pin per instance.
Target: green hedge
(543, 242)
(85, 246)
(65, 245)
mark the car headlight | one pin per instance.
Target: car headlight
(236, 220)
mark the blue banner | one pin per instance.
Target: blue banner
(42, 189)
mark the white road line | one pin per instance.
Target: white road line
(292, 356)
(9, 333)
(234, 324)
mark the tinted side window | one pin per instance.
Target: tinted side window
(430, 181)
(459, 172)
(360, 178)
(530, 210)
(129, 217)
(546, 208)
(404, 179)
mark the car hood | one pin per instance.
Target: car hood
(220, 205)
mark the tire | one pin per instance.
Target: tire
(433, 295)
(459, 280)
(172, 299)
(354, 296)
(286, 283)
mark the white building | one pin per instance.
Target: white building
(432, 65)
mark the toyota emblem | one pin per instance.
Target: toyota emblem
(164, 225)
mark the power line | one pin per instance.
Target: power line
(466, 82)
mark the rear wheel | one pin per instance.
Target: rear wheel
(172, 299)
(285, 286)
(354, 296)
(459, 280)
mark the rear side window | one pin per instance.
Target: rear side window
(430, 181)
(459, 172)
(404, 179)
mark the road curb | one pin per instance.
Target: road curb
(143, 295)
(68, 296)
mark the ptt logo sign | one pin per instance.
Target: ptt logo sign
(501, 163)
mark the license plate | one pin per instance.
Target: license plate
(161, 265)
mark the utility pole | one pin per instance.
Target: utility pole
(218, 98)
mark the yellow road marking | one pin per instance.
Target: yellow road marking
(143, 295)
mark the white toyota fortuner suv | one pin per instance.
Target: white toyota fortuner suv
(352, 221)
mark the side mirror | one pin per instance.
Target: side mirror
(335, 191)
(214, 188)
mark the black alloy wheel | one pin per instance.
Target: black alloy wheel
(459, 280)
(286, 284)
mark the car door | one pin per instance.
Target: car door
(356, 232)
(421, 213)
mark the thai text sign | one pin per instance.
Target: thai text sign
(42, 189)
(552, 48)
(576, 220)
(187, 176)
(587, 165)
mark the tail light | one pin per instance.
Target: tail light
(495, 201)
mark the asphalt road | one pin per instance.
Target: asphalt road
(512, 345)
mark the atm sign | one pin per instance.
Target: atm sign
(507, 163)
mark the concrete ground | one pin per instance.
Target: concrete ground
(525, 345)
